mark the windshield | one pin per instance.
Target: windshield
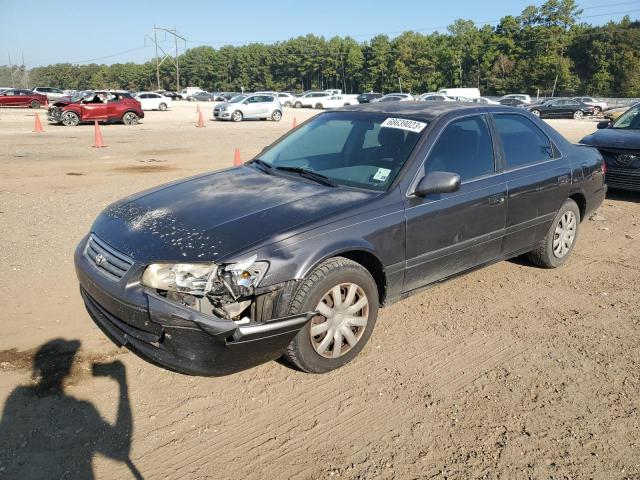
(237, 99)
(357, 149)
(629, 120)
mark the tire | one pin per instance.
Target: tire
(350, 279)
(162, 107)
(319, 106)
(34, 104)
(130, 118)
(287, 104)
(549, 255)
(597, 110)
(536, 113)
(578, 114)
(276, 116)
(236, 116)
(298, 105)
(70, 119)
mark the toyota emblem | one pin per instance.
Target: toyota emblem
(100, 259)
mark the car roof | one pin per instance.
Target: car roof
(427, 111)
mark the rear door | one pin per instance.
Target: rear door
(453, 232)
(538, 180)
(93, 110)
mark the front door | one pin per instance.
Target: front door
(94, 108)
(452, 232)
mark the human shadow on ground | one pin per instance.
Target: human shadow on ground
(47, 434)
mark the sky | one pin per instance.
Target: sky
(86, 31)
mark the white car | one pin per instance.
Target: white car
(337, 101)
(312, 100)
(153, 101)
(286, 99)
(392, 97)
(517, 96)
(485, 100)
(434, 97)
(52, 94)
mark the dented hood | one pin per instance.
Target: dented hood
(209, 217)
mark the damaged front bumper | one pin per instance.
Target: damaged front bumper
(174, 336)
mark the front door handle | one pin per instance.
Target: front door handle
(496, 199)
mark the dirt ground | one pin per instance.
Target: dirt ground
(508, 372)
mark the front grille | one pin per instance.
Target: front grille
(106, 259)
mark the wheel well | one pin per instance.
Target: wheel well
(581, 202)
(373, 266)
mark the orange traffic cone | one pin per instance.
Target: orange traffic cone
(237, 161)
(200, 120)
(38, 126)
(295, 122)
(98, 142)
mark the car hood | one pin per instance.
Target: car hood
(614, 138)
(213, 216)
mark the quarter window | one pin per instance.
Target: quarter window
(465, 148)
(523, 142)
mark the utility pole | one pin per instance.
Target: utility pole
(173, 59)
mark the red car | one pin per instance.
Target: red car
(22, 98)
(100, 106)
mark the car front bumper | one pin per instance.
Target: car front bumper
(174, 336)
(623, 178)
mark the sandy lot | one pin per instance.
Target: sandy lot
(508, 372)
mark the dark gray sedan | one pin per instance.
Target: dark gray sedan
(294, 252)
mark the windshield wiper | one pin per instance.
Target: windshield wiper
(262, 165)
(309, 174)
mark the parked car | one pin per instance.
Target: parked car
(226, 96)
(561, 108)
(52, 94)
(485, 101)
(434, 97)
(619, 143)
(168, 93)
(153, 101)
(615, 112)
(185, 93)
(368, 97)
(20, 97)
(337, 101)
(203, 97)
(598, 105)
(512, 102)
(245, 107)
(517, 96)
(101, 106)
(286, 99)
(394, 97)
(460, 92)
(294, 252)
(311, 100)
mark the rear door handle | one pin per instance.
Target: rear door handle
(563, 179)
(496, 199)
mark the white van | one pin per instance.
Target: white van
(460, 92)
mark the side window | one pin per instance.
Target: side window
(523, 142)
(465, 148)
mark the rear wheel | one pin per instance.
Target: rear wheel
(70, 119)
(162, 107)
(287, 104)
(298, 105)
(536, 112)
(345, 297)
(236, 116)
(276, 116)
(130, 118)
(578, 114)
(35, 104)
(554, 249)
(319, 106)
(597, 110)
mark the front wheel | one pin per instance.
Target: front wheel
(70, 119)
(536, 113)
(130, 118)
(578, 114)
(554, 249)
(345, 297)
(287, 104)
(319, 106)
(298, 105)
(35, 104)
(276, 116)
(597, 110)
(236, 116)
(162, 107)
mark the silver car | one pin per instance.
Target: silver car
(242, 107)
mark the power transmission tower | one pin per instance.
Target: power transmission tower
(167, 56)
(19, 74)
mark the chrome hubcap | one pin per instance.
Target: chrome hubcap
(564, 234)
(341, 322)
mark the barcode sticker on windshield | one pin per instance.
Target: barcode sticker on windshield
(404, 124)
(382, 174)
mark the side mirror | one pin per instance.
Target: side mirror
(604, 124)
(438, 182)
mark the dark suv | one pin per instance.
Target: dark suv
(368, 97)
(293, 252)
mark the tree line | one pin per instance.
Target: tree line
(545, 50)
